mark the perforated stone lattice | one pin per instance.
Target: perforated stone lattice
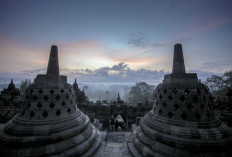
(44, 103)
(182, 104)
(50, 123)
(182, 122)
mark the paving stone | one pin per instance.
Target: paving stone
(114, 148)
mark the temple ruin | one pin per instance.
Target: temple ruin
(182, 122)
(50, 123)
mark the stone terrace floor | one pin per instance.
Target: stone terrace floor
(113, 145)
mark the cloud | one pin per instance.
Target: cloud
(210, 25)
(16, 56)
(36, 71)
(120, 66)
(203, 74)
(217, 65)
(104, 65)
(76, 55)
(119, 73)
(140, 41)
(80, 47)
(137, 40)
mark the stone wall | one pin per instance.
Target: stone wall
(103, 113)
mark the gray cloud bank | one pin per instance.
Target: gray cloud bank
(103, 83)
(120, 73)
(140, 41)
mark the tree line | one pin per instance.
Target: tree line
(221, 87)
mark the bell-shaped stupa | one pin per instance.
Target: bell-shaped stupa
(50, 124)
(181, 122)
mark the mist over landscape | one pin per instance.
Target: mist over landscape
(103, 83)
(100, 90)
(116, 78)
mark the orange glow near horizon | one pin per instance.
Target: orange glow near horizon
(77, 55)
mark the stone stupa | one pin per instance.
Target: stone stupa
(181, 122)
(50, 124)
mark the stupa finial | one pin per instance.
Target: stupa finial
(178, 60)
(53, 63)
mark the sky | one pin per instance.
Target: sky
(114, 41)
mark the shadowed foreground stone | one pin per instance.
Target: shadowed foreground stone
(50, 124)
(181, 122)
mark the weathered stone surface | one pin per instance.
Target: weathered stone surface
(226, 117)
(181, 122)
(53, 64)
(50, 124)
(80, 95)
(178, 60)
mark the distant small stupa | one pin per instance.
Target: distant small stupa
(81, 98)
(50, 124)
(181, 123)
